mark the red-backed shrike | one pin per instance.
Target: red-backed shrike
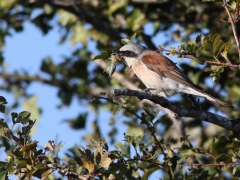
(159, 73)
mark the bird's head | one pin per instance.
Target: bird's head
(130, 51)
(128, 54)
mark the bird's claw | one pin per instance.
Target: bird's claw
(148, 90)
(195, 105)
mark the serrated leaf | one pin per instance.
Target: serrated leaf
(29, 147)
(4, 129)
(212, 43)
(23, 117)
(105, 161)
(224, 49)
(89, 165)
(184, 47)
(104, 55)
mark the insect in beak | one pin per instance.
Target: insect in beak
(114, 59)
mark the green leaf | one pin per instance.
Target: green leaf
(136, 20)
(23, 117)
(105, 161)
(29, 147)
(149, 172)
(97, 157)
(134, 36)
(2, 108)
(4, 129)
(104, 55)
(10, 163)
(224, 49)
(66, 17)
(3, 170)
(212, 43)
(222, 157)
(126, 41)
(115, 5)
(198, 39)
(3, 100)
(89, 165)
(80, 34)
(31, 105)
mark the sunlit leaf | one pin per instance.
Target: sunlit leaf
(212, 43)
(104, 55)
(23, 117)
(88, 164)
(126, 41)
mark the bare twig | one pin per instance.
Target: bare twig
(210, 62)
(211, 164)
(223, 64)
(232, 22)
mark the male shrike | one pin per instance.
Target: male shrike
(159, 73)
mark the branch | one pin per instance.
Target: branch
(229, 124)
(233, 26)
(211, 62)
(212, 164)
(223, 64)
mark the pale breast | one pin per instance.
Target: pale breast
(165, 87)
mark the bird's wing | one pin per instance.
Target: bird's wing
(166, 68)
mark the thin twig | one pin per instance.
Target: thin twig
(210, 62)
(233, 26)
(211, 164)
(223, 64)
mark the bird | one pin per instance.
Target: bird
(159, 74)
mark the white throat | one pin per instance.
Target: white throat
(129, 61)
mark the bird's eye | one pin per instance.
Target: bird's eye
(128, 53)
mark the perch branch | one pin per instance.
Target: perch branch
(229, 124)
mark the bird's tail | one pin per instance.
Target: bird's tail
(211, 98)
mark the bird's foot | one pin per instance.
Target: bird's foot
(148, 90)
(195, 105)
